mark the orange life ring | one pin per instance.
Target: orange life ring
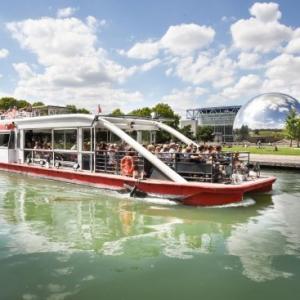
(127, 165)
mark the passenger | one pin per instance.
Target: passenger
(164, 153)
(37, 145)
(238, 175)
(111, 157)
(172, 148)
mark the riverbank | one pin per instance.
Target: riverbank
(277, 161)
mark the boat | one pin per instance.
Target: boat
(69, 148)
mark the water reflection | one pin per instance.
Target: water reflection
(43, 216)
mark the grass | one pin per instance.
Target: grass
(265, 150)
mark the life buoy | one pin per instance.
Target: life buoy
(127, 166)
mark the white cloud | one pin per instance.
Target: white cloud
(294, 44)
(262, 32)
(180, 100)
(282, 75)
(248, 60)
(3, 53)
(286, 67)
(217, 70)
(24, 71)
(179, 40)
(228, 19)
(150, 65)
(66, 12)
(246, 87)
(145, 50)
(184, 39)
(74, 70)
(265, 12)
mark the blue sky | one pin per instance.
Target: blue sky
(129, 54)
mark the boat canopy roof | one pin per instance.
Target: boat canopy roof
(99, 121)
(81, 120)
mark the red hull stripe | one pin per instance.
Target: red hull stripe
(191, 193)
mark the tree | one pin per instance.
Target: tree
(205, 133)
(298, 132)
(9, 102)
(39, 103)
(141, 112)
(164, 110)
(291, 126)
(187, 131)
(117, 112)
(83, 111)
(72, 109)
(243, 132)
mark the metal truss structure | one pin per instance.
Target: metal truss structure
(220, 118)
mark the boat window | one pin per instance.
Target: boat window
(101, 136)
(87, 139)
(65, 139)
(38, 139)
(114, 138)
(4, 139)
(87, 160)
(65, 159)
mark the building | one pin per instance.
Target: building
(47, 110)
(220, 118)
(192, 123)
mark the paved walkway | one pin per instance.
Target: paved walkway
(289, 161)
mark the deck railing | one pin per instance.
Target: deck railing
(214, 167)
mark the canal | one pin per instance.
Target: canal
(63, 241)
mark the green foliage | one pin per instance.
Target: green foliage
(9, 102)
(187, 131)
(72, 109)
(117, 112)
(298, 132)
(243, 133)
(291, 125)
(163, 110)
(39, 103)
(82, 111)
(205, 133)
(141, 112)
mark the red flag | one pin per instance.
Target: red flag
(99, 110)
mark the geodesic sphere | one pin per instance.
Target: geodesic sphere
(266, 111)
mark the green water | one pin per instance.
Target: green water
(62, 241)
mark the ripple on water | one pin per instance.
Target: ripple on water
(82, 236)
